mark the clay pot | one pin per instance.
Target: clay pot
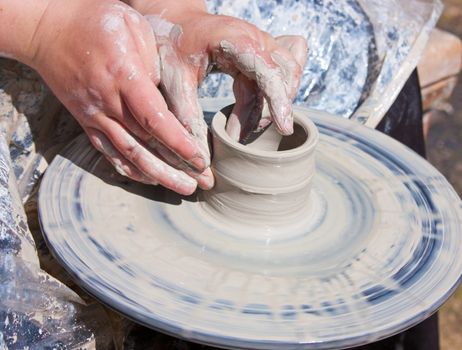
(260, 187)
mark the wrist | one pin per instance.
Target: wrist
(20, 20)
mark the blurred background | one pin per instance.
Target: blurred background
(444, 150)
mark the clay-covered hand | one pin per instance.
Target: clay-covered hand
(192, 42)
(100, 59)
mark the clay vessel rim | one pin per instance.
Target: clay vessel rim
(218, 129)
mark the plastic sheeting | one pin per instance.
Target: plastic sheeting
(37, 311)
(361, 53)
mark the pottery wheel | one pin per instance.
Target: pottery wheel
(379, 251)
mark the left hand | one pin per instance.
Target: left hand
(100, 60)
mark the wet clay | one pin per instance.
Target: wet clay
(265, 183)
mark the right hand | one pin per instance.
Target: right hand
(100, 59)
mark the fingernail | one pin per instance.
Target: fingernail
(121, 169)
(233, 127)
(187, 180)
(149, 181)
(288, 126)
(206, 180)
(234, 132)
(187, 185)
(199, 163)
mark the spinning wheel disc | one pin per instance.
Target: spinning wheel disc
(379, 251)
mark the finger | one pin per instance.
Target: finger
(290, 56)
(204, 179)
(247, 110)
(121, 165)
(258, 65)
(179, 88)
(145, 161)
(148, 107)
(177, 81)
(145, 42)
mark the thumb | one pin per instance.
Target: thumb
(179, 88)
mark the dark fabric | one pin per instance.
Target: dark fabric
(403, 122)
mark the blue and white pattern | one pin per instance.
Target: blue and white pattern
(381, 249)
(340, 40)
(360, 52)
(36, 310)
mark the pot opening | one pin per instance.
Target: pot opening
(283, 143)
(295, 140)
(268, 140)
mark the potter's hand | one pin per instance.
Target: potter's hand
(101, 61)
(191, 42)
(248, 113)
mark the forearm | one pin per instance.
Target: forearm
(167, 6)
(19, 20)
